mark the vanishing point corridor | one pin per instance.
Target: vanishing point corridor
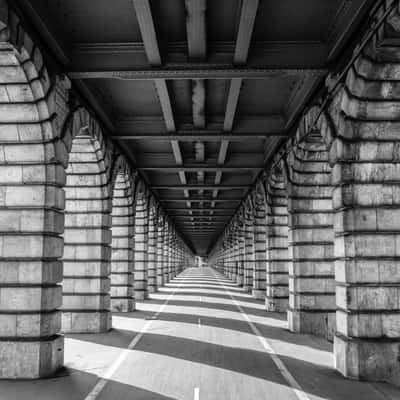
(199, 199)
(199, 337)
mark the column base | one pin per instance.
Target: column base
(234, 277)
(160, 282)
(122, 305)
(258, 294)
(274, 304)
(372, 360)
(141, 295)
(152, 289)
(316, 323)
(247, 287)
(27, 359)
(86, 321)
(239, 280)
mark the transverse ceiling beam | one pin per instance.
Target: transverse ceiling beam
(295, 54)
(273, 124)
(198, 187)
(200, 200)
(203, 167)
(181, 209)
(202, 72)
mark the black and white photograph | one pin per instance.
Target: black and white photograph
(199, 199)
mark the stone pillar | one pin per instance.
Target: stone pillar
(152, 251)
(224, 256)
(311, 269)
(170, 254)
(87, 251)
(242, 250)
(165, 252)
(260, 243)
(230, 256)
(174, 260)
(160, 253)
(367, 223)
(249, 261)
(140, 246)
(235, 258)
(122, 228)
(277, 284)
(31, 222)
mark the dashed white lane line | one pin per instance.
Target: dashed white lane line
(299, 392)
(196, 393)
(101, 384)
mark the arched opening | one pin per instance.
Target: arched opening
(240, 243)
(260, 243)
(166, 251)
(249, 262)
(277, 281)
(141, 242)
(160, 250)
(152, 247)
(312, 306)
(87, 237)
(31, 203)
(122, 228)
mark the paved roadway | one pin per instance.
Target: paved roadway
(202, 338)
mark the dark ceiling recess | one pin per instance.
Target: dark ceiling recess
(200, 93)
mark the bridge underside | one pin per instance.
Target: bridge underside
(144, 137)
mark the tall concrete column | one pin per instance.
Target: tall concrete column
(165, 252)
(152, 250)
(260, 243)
(231, 262)
(242, 249)
(122, 228)
(224, 256)
(141, 245)
(31, 224)
(235, 260)
(249, 262)
(311, 269)
(175, 264)
(367, 222)
(170, 254)
(277, 284)
(87, 251)
(160, 252)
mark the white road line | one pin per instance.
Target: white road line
(100, 385)
(299, 392)
(196, 393)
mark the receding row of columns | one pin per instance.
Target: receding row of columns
(325, 218)
(80, 233)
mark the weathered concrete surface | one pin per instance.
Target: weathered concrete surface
(152, 251)
(87, 249)
(312, 305)
(277, 286)
(31, 219)
(122, 229)
(140, 245)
